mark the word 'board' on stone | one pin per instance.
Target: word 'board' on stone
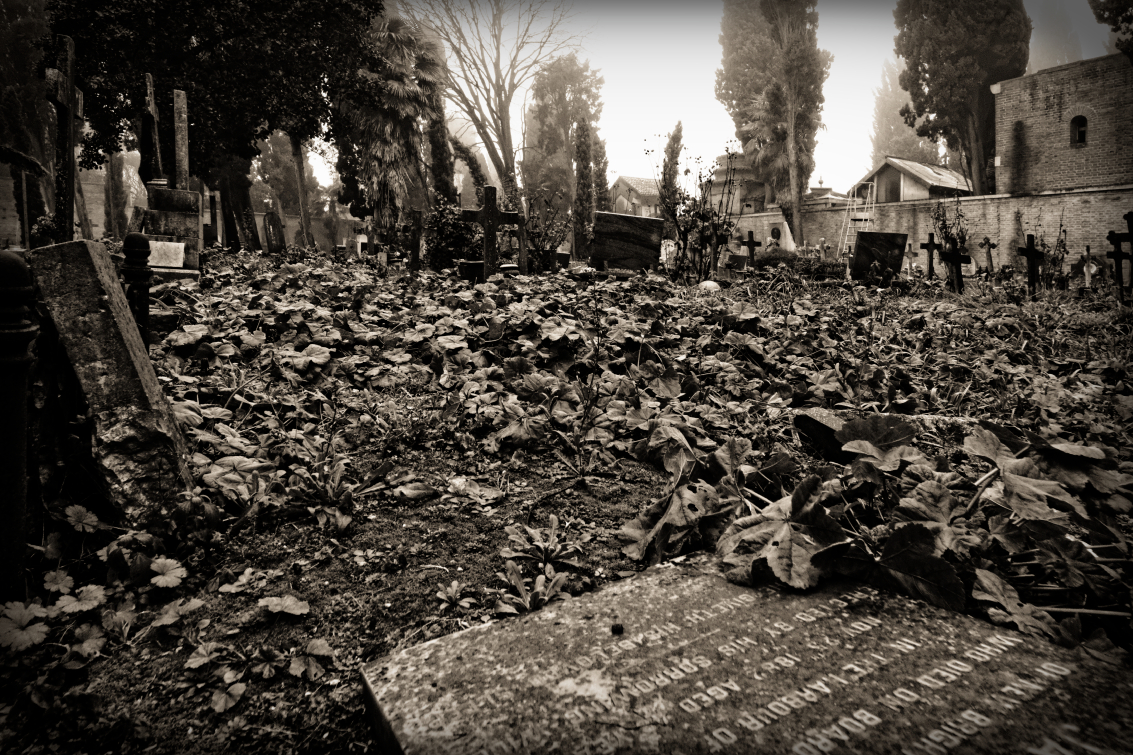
(887, 249)
(625, 242)
(678, 660)
(137, 447)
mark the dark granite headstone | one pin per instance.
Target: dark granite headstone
(888, 249)
(678, 660)
(625, 242)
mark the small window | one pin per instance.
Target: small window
(1078, 130)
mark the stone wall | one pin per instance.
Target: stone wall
(1087, 214)
(1032, 127)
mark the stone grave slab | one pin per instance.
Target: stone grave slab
(625, 242)
(136, 444)
(679, 660)
(888, 249)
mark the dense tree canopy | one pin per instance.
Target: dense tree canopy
(955, 51)
(744, 70)
(891, 135)
(1118, 16)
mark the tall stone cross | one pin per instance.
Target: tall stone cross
(152, 170)
(931, 247)
(1034, 257)
(1118, 255)
(61, 93)
(751, 245)
(490, 219)
(953, 258)
(987, 245)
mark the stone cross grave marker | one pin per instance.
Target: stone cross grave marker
(931, 247)
(988, 245)
(751, 245)
(1034, 257)
(62, 95)
(490, 219)
(1119, 256)
(954, 258)
(679, 660)
(625, 242)
(136, 445)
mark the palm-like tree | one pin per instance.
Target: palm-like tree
(383, 117)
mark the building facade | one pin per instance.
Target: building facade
(636, 196)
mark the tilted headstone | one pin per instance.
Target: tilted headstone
(137, 446)
(678, 660)
(625, 242)
(887, 249)
(274, 239)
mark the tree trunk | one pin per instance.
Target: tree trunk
(236, 199)
(301, 179)
(976, 150)
(796, 190)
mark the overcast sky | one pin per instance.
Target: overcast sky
(659, 61)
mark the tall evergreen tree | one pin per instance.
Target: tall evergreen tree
(1118, 16)
(670, 192)
(891, 135)
(584, 185)
(601, 168)
(955, 50)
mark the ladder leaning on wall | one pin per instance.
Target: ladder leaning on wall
(858, 217)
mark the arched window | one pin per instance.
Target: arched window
(1078, 130)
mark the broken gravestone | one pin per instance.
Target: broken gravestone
(679, 660)
(625, 242)
(136, 445)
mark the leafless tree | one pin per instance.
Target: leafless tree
(494, 49)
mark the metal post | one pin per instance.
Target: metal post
(16, 333)
(136, 272)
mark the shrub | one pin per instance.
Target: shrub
(447, 237)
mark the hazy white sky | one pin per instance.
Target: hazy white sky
(659, 61)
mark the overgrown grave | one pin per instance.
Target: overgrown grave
(173, 220)
(490, 218)
(1119, 256)
(135, 445)
(679, 659)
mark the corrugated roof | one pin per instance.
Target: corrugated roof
(930, 175)
(646, 187)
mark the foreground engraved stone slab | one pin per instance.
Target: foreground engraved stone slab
(678, 660)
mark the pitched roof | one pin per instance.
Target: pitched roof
(929, 175)
(646, 187)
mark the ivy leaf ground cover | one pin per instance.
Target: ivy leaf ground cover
(359, 442)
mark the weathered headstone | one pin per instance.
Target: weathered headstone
(490, 219)
(136, 444)
(953, 258)
(625, 242)
(274, 239)
(931, 247)
(679, 660)
(1034, 259)
(887, 249)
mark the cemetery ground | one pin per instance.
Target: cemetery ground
(384, 460)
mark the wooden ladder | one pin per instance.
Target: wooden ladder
(858, 217)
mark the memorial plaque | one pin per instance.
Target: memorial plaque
(167, 254)
(678, 660)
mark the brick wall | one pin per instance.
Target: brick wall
(1032, 127)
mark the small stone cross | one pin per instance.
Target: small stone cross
(953, 259)
(751, 245)
(1034, 256)
(490, 219)
(931, 247)
(987, 245)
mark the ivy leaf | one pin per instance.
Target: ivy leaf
(989, 587)
(305, 664)
(58, 581)
(415, 490)
(317, 354)
(883, 431)
(88, 597)
(689, 512)
(21, 637)
(223, 700)
(983, 443)
(932, 505)
(172, 612)
(287, 604)
(206, 652)
(319, 647)
(81, 519)
(1027, 497)
(169, 572)
(908, 561)
(91, 640)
